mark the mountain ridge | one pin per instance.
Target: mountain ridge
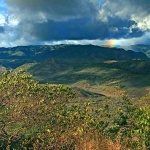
(138, 48)
(17, 56)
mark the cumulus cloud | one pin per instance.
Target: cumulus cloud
(2, 20)
(35, 21)
(134, 10)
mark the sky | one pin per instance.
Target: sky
(97, 22)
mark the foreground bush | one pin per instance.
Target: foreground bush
(44, 117)
(34, 116)
(31, 114)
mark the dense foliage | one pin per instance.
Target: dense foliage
(34, 116)
(29, 111)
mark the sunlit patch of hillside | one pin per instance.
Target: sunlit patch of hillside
(110, 78)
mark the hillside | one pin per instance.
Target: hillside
(88, 68)
(108, 78)
(2, 69)
(139, 48)
(17, 56)
(100, 104)
(48, 117)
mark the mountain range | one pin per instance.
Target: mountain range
(92, 71)
(138, 48)
(17, 56)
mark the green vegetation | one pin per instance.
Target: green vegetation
(86, 97)
(109, 78)
(35, 116)
(2, 69)
(26, 54)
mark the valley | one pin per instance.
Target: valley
(111, 72)
(65, 96)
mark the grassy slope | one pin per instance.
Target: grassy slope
(108, 78)
(2, 69)
(96, 77)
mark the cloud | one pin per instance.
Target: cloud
(144, 39)
(41, 10)
(134, 10)
(38, 21)
(2, 20)
(78, 29)
(2, 30)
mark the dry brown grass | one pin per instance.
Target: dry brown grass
(99, 143)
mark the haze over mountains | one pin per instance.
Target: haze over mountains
(139, 48)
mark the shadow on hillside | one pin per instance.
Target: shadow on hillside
(86, 94)
(73, 71)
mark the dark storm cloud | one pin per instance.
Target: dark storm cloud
(54, 9)
(78, 29)
(48, 20)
